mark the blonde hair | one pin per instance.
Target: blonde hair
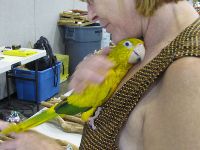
(148, 7)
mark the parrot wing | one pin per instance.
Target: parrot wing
(65, 108)
(84, 103)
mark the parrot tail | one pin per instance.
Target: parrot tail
(31, 122)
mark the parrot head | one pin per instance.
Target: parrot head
(128, 51)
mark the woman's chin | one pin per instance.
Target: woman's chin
(116, 39)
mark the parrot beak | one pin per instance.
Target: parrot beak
(137, 54)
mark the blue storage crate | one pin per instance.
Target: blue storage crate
(48, 83)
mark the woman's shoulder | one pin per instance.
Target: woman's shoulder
(182, 78)
(174, 119)
(186, 68)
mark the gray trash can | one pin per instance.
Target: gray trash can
(80, 41)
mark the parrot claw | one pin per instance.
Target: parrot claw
(91, 120)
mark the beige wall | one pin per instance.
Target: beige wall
(24, 21)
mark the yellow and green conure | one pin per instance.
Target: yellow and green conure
(126, 53)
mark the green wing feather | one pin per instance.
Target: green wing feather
(69, 109)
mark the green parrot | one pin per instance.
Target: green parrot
(126, 53)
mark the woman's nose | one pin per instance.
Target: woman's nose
(92, 14)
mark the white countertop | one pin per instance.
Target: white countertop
(8, 61)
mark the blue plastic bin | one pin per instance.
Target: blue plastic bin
(80, 41)
(48, 83)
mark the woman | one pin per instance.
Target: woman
(167, 115)
(158, 107)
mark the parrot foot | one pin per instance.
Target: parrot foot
(91, 120)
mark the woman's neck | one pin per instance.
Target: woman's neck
(168, 21)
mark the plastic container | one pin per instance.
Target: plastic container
(64, 71)
(48, 83)
(80, 41)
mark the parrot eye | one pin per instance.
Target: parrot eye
(128, 44)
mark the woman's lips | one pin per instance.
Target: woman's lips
(106, 27)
